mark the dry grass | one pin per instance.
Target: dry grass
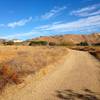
(8, 75)
(23, 60)
(30, 59)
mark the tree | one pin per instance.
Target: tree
(83, 43)
(38, 43)
(9, 43)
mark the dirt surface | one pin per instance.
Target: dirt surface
(75, 77)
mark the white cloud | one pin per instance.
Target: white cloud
(89, 24)
(82, 23)
(19, 23)
(52, 12)
(20, 35)
(87, 11)
(91, 14)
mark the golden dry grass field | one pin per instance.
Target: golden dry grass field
(25, 58)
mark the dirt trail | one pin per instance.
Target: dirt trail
(77, 71)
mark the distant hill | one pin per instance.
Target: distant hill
(93, 38)
(72, 39)
(2, 41)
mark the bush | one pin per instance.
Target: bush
(8, 75)
(9, 43)
(38, 43)
(96, 44)
(52, 44)
(66, 44)
(83, 44)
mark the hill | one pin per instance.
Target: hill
(67, 39)
(93, 38)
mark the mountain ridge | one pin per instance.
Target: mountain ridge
(93, 38)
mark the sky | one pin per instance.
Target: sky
(26, 19)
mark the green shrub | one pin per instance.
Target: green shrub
(9, 43)
(96, 44)
(83, 44)
(38, 43)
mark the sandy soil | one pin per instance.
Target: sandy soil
(77, 71)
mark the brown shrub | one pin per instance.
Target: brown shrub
(8, 75)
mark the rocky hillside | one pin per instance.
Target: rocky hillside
(93, 38)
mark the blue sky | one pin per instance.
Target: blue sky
(24, 19)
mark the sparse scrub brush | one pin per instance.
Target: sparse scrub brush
(8, 75)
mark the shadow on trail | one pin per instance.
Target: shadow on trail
(86, 94)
